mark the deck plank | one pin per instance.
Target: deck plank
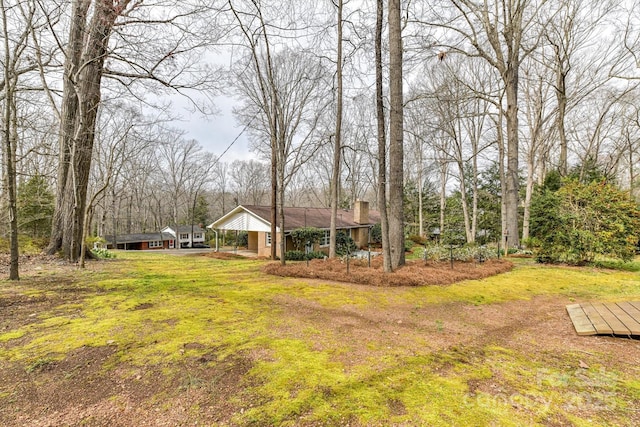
(622, 318)
(602, 327)
(631, 309)
(581, 322)
(636, 304)
(612, 320)
(629, 315)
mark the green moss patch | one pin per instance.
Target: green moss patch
(281, 351)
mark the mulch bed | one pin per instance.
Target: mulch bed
(414, 273)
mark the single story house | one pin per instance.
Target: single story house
(188, 235)
(256, 221)
(141, 241)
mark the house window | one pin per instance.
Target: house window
(197, 235)
(325, 239)
(184, 236)
(155, 244)
(267, 237)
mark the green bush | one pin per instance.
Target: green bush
(459, 253)
(408, 245)
(102, 253)
(243, 239)
(376, 233)
(344, 244)
(294, 256)
(35, 207)
(306, 235)
(316, 255)
(580, 222)
(302, 256)
(418, 240)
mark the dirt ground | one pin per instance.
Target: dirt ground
(79, 391)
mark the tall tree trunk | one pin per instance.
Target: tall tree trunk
(14, 46)
(83, 74)
(474, 181)
(512, 178)
(561, 97)
(465, 204)
(10, 140)
(503, 182)
(68, 121)
(337, 149)
(281, 177)
(382, 143)
(632, 175)
(274, 198)
(396, 129)
(526, 219)
(420, 190)
(531, 171)
(444, 166)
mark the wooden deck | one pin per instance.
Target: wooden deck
(621, 318)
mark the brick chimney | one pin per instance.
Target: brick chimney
(361, 212)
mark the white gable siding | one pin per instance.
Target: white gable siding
(243, 221)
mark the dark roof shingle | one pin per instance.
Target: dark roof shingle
(313, 217)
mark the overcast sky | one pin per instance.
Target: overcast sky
(217, 132)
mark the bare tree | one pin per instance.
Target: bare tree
(539, 115)
(178, 160)
(88, 57)
(282, 105)
(382, 141)
(266, 95)
(630, 144)
(15, 41)
(114, 151)
(337, 149)
(503, 33)
(572, 49)
(84, 65)
(628, 62)
(249, 180)
(396, 137)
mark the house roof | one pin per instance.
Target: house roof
(184, 229)
(258, 218)
(140, 237)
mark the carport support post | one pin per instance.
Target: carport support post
(235, 245)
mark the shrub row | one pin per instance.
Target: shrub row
(462, 253)
(302, 256)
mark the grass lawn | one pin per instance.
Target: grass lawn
(155, 339)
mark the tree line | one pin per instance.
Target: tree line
(423, 109)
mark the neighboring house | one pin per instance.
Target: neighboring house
(188, 235)
(141, 241)
(256, 221)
